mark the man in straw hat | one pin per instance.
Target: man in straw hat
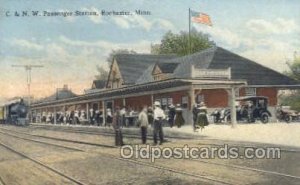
(159, 115)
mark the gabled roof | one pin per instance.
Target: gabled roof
(167, 67)
(132, 66)
(199, 60)
(59, 95)
(98, 84)
(241, 68)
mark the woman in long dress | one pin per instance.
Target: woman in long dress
(179, 121)
(202, 120)
(171, 115)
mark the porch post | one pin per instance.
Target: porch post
(103, 112)
(55, 117)
(124, 102)
(152, 100)
(233, 108)
(192, 97)
(192, 103)
(87, 112)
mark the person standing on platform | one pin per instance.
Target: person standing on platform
(117, 125)
(159, 116)
(202, 120)
(109, 117)
(76, 117)
(179, 121)
(97, 117)
(150, 115)
(195, 114)
(92, 117)
(123, 114)
(143, 122)
(171, 115)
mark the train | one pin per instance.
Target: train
(14, 112)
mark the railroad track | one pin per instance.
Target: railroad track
(72, 129)
(1, 181)
(110, 156)
(41, 164)
(62, 139)
(230, 166)
(43, 142)
(137, 136)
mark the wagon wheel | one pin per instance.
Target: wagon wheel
(264, 118)
(288, 118)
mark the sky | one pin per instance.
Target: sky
(70, 47)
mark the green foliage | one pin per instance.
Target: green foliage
(102, 73)
(172, 43)
(292, 99)
(294, 68)
(118, 51)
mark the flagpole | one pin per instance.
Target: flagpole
(190, 48)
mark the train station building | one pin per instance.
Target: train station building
(214, 76)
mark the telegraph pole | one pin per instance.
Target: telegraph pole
(28, 69)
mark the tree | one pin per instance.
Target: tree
(118, 51)
(102, 73)
(294, 68)
(172, 43)
(292, 98)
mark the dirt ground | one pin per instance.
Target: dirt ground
(100, 165)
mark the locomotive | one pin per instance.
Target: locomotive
(14, 112)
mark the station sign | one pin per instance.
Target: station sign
(211, 73)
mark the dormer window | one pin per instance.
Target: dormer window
(162, 71)
(158, 77)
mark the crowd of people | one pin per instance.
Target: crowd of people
(155, 116)
(93, 117)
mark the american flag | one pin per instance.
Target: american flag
(202, 18)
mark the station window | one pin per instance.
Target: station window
(184, 102)
(200, 98)
(237, 92)
(170, 101)
(250, 91)
(164, 103)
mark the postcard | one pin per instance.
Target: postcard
(149, 92)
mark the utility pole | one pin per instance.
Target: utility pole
(28, 69)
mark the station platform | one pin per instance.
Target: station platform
(185, 132)
(282, 134)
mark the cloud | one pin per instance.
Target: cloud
(277, 26)
(225, 37)
(142, 46)
(271, 51)
(132, 21)
(138, 21)
(65, 60)
(26, 44)
(95, 19)
(164, 24)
